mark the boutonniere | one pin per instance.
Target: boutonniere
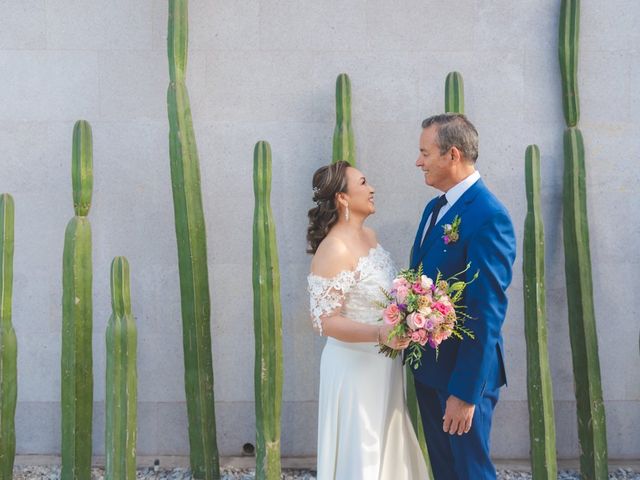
(452, 231)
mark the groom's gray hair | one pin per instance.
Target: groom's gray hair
(455, 130)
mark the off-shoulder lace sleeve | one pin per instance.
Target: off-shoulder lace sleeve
(326, 295)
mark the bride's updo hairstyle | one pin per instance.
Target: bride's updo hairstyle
(327, 182)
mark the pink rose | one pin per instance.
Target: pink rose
(400, 282)
(417, 288)
(436, 338)
(392, 314)
(441, 308)
(420, 336)
(446, 239)
(415, 320)
(401, 293)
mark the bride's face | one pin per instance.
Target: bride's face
(359, 194)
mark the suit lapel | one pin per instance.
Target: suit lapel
(458, 209)
(416, 243)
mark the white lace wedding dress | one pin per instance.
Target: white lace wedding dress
(364, 431)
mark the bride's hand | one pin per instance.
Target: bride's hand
(397, 343)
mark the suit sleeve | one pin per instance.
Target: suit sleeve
(492, 252)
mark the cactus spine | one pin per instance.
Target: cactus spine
(267, 319)
(192, 254)
(121, 391)
(77, 320)
(344, 146)
(582, 322)
(568, 53)
(542, 429)
(454, 93)
(8, 342)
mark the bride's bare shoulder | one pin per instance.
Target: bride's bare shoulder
(332, 257)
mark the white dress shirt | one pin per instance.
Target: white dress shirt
(452, 196)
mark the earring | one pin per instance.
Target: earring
(346, 213)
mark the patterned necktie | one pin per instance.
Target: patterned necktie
(442, 201)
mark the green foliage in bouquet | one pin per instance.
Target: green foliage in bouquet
(267, 320)
(192, 254)
(542, 428)
(77, 316)
(121, 382)
(8, 342)
(344, 146)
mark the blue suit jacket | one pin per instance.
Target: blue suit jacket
(487, 241)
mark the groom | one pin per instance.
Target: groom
(457, 392)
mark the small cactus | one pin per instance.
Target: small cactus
(121, 381)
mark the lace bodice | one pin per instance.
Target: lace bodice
(354, 293)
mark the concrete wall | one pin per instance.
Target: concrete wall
(265, 69)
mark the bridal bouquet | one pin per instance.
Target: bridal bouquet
(425, 310)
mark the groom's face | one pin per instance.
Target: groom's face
(435, 166)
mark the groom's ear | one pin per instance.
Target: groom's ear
(456, 156)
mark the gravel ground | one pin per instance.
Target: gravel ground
(53, 473)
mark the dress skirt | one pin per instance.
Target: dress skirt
(364, 431)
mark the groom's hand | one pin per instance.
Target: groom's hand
(458, 416)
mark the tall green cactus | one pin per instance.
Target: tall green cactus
(267, 320)
(592, 433)
(542, 430)
(454, 93)
(582, 323)
(121, 381)
(192, 254)
(568, 53)
(8, 342)
(344, 145)
(77, 316)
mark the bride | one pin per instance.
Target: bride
(364, 431)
